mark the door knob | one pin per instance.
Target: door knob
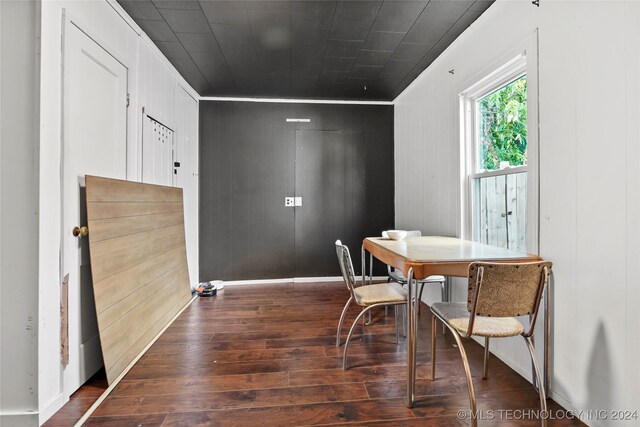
(80, 231)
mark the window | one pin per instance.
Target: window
(496, 155)
(502, 127)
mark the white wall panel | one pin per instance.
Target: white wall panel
(601, 203)
(558, 196)
(187, 132)
(151, 81)
(632, 94)
(156, 86)
(158, 145)
(19, 213)
(589, 69)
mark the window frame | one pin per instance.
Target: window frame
(509, 68)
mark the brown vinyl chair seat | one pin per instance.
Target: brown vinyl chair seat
(380, 293)
(457, 315)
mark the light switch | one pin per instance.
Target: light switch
(298, 201)
(289, 201)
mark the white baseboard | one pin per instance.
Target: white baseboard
(257, 282)
(331, 279)
(582, 414)
(51, 407)
(292, 280)
(19, 419)
(35, 418)
(317, 279)
(90, 358)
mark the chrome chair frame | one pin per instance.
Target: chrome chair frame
(346, 268)
(444, 286)
(527, 335)
(399, 278)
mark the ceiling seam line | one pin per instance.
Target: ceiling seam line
(414, 22)
(181, 44)
(226, 61)
(425, 55)
(324, 53)
(363, 41)
(255, 51)
(401, 41)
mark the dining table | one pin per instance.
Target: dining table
(424, 256)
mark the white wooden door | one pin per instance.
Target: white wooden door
(95, 143)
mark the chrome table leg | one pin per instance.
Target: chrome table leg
(411, 339)
(362, 265)
(547, 337)
(446, 297)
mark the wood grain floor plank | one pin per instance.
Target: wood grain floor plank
(71, 412)
(271, 334)
(189, 358)
(252, 398)
(115, 405)
(313, 414)
(212, 368)
(155, 420)
(212, 328)
(450, 385)
(413, 422)
(489, 400)
(339, 376)
(195, 386)
(167, 348)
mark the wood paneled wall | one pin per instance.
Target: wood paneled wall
(138, 264)
(247, 168)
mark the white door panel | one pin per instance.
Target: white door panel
(186, 149)
(95, 143)
(157, 153)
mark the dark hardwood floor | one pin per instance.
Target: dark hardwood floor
(265, 355)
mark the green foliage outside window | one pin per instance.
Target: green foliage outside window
(503, 126)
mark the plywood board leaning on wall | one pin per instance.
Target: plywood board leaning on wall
(138, 264)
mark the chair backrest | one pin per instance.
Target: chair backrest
(507, 289)
(346, 266)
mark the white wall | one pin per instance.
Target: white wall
(152, 82)
(19, 212)
(589, 86)
(188, 153)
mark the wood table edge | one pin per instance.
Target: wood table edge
(424, 269)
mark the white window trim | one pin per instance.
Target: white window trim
(498, 172)
(517, 62)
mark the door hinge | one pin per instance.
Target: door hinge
(128, 100)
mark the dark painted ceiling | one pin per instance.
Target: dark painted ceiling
(303, 49)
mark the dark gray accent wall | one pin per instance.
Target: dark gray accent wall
(251, 159)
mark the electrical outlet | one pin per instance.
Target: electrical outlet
(297, 201)
(289, 201)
